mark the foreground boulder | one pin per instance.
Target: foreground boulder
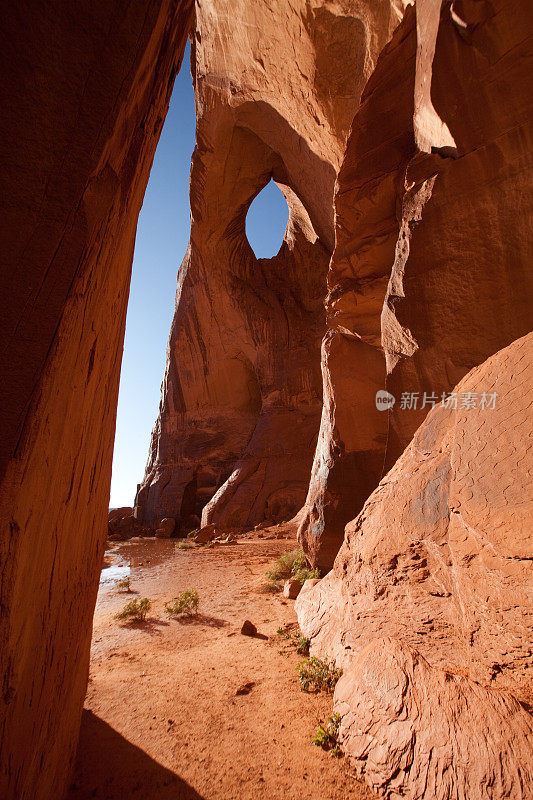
(248, 628)
(206, 534)
(416, 731)
(292, 588)
(426, 608)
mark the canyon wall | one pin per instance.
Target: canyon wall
(428, 607)
(412, 216)
(276, 88)
(433, 266)
(85, 89)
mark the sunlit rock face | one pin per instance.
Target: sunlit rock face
(276, 87)
(85, 88)
(431, 272)
(428, 609)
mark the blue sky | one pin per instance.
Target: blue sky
(161, 242)
(266, 221)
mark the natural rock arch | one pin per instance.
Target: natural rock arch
(78, 144)
(259, 119)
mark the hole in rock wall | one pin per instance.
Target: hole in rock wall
(161, 241)
(266, 221)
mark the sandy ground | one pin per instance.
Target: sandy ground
(162, 717)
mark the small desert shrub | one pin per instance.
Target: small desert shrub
(304, 574)
(295, 639)
(287, 565)
(302, 644)
(192, 533)
(270, 587)
(136, 609)
(326, 736)
(123, 585)
(285, 633)
(292, 565)
(316, 675)
(184, 603)
(184, 545)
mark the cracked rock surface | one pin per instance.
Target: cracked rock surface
(428, 606)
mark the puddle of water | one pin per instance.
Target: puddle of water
(115, 568)
(114, 573)
(124, 558)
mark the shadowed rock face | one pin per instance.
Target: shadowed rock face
(85, 88)
(431, 272)
(427, 608)
(242, 394)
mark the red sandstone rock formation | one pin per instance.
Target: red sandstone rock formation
(122, 525)
(427, 608)
(85, 88)
(242, 394)
(431, 272)
(429, 275)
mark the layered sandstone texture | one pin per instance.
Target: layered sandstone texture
(85, 88)
(276, 88)
(428, 607)
(432, 270)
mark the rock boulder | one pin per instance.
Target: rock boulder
(165, 529)
(427, 609)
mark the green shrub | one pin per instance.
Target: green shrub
(316, 675)
(292, 565)
(296, 639)
(136, 609)
(285, 633)
(123, 585)
(326, 736)
(184, 603)
(302, 644)
(192, 533)
(184, 545)
(305, 573)
(286, 565)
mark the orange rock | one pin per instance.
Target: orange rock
(206, 534)
(439, 561)
(84, 92)
(430, 273)
(430, 735)
(248, 628)
(291, 589)
(429, 276)
(165, 529)
(117, 513)
(242, 393)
